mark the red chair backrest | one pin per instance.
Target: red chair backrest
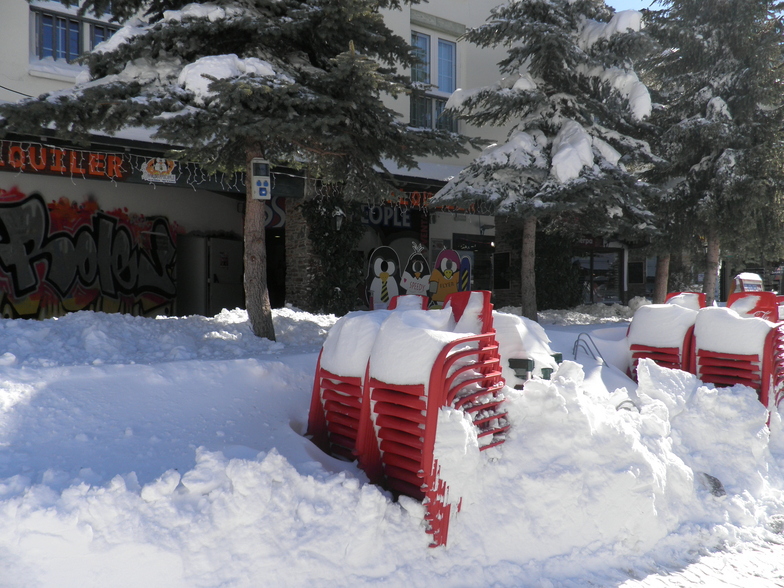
(423, 301)
(458, 301)
(766, 304)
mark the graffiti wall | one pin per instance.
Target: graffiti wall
(63, 256)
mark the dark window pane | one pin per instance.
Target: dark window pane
(74, 40)
(444, 121)
(421, 111)
(99, 35)
(46, 39)
(60, 35)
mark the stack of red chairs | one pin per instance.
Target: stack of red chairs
(335, 407)
(677, 352)
(391, 428)
(721, 359)
(719, 362)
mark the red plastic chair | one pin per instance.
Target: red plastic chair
(762, 369)
(398, 426)
(772, 391)
(391, 429)
(400, 298)
(335, 407)
(678, 357)
(766, 304)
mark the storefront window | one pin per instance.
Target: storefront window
(600, 273)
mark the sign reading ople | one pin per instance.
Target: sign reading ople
(37, 158)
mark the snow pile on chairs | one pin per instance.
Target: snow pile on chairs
(388, 383)
(722, 346)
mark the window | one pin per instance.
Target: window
(447, 53)
(420, 73)
(66, 36)
(99, 33)
(429, 101)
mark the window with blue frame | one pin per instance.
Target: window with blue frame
(62, 36)
(99, 33)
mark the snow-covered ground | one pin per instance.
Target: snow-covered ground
(170, 452)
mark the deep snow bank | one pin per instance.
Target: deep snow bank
(589, 481)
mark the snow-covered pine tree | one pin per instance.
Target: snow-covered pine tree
(574, 105)
(720, 78)
(299, 82)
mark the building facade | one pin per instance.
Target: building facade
(98, 228)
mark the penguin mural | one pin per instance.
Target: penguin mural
(445, 278)
(383, 277)
(416, 275)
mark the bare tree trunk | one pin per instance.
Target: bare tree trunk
(257, 299)
(528, 277)
(712, 269)
(662, 277)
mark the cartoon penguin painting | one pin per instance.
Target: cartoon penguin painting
(416, 275)
(445, 278)
(383, 277)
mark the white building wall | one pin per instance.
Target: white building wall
(191, 209)
(20, 71)
(475, 66)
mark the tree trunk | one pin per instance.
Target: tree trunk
(662, 276)
(712, 269)
(528, 277)
(257, 299)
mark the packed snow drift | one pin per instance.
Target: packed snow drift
(171, 452)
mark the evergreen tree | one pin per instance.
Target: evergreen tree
(720, 78)
(297, 82)
(575, 105)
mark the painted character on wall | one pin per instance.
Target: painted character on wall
(445, 278)
(416, 275)
(383, 277)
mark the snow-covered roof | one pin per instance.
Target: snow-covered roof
(440, 172)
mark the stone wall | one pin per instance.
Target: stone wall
(508, 241)
(300, 258)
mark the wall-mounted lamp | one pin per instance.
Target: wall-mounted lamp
(484, 228)
(337, 218)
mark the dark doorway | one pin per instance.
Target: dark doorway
(276, 266)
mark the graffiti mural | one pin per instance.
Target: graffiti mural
(64, 256)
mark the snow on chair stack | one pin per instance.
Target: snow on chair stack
(718, 345)
(663, 333)
(731, 349)
(339, 385)
(693, 300)
(418, 362)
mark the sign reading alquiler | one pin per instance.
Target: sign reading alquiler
(46, 159)
(37, 158)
